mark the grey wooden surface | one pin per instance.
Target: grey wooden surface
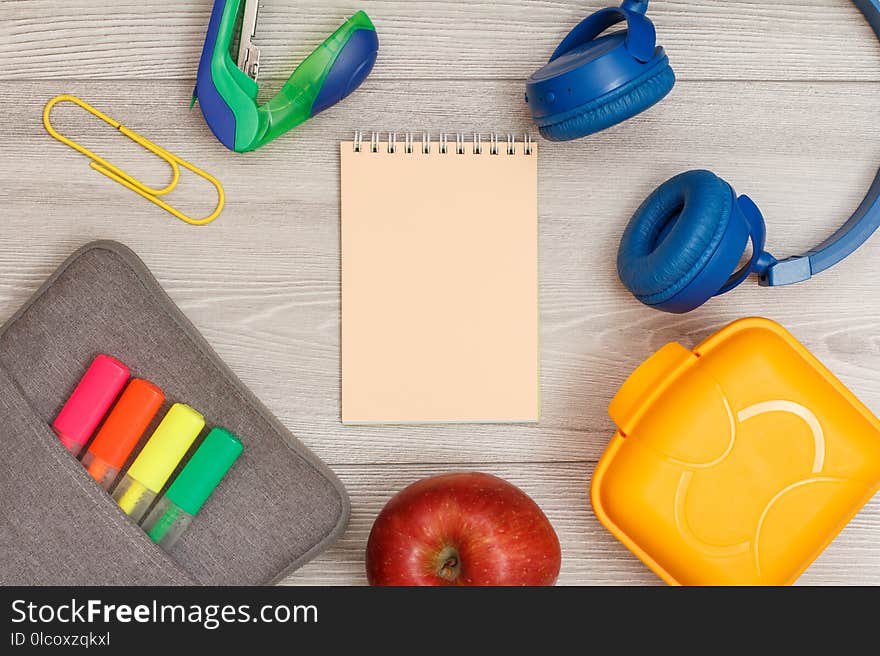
(780, 98)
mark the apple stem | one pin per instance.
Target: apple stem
(449, 564)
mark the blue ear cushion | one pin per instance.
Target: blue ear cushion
(614, 107)
(673, 235)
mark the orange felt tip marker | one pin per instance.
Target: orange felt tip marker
(121, 431)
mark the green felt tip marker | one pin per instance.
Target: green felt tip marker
(190, 490)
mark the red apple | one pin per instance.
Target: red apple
(462, 529)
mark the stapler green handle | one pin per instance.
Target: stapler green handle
(227, 90)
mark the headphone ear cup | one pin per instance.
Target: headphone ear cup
(666, 248)
(596, 78)
(625, 102)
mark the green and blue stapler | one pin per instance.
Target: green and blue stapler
(227, 90)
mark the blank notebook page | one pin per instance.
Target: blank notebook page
(439, 285)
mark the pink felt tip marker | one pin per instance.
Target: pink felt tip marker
(90, 401)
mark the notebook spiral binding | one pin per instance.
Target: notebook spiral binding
(462, 145)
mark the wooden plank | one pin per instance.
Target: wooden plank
(706, 39)
(262, 283)
(590, 555)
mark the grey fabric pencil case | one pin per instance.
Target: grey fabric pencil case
(277, 508)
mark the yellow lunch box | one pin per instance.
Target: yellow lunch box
(736, 463)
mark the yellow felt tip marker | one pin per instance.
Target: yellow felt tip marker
(158, 459)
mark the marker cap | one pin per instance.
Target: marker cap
(127, 422)
(90, 400)
(165, 448)
(205, 470)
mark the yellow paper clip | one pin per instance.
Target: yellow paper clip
(115, 173)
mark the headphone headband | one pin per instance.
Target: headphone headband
(852, 234)
(641, 37)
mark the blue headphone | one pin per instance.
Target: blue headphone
(684, 243)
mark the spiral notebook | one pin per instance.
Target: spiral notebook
(439, 280)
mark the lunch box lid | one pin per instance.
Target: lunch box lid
(737, 462)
